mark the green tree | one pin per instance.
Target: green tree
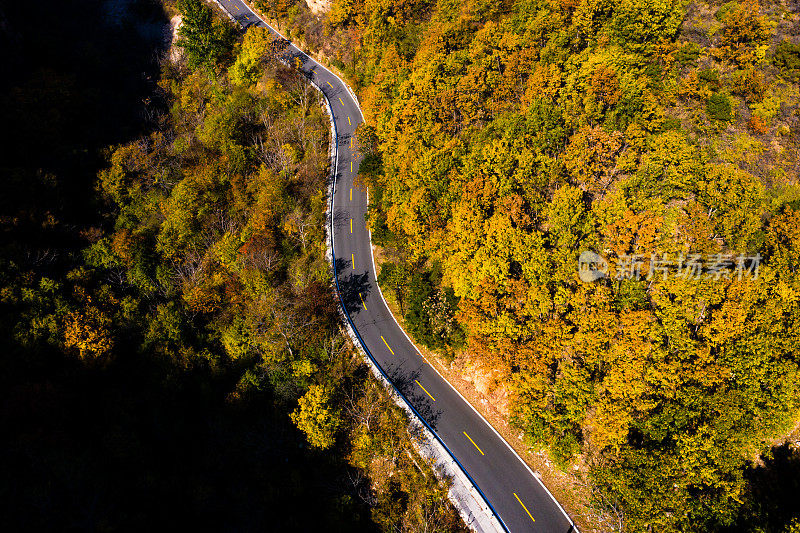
(204, 40)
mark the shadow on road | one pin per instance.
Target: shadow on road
(354, 287)
(340, 218)
(406, 382)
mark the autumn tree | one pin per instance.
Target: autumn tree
(88, 331)
(315, 417)
(248, 67)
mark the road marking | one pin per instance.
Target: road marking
(351, 225)
(426, 390)
(387, 345)
(348, 121)
(473, 443)
(362, 301)
(237, 8)
(517, 497)
(351, 166)
(353, 259)
(351, 194)
(523, 506)
(472, 407)
(340, 99)
(329, 83)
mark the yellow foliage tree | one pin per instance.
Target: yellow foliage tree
(316, 419)
(89, 332)
(248, 67)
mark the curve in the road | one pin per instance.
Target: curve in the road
(518, 498)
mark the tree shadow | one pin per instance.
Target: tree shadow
(354, 287)
(297, 60)
(406, 382)
(773, 492)
(340, 218)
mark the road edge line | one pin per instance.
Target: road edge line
(351, 326)
(527, 467)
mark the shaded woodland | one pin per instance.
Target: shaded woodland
(172, 354)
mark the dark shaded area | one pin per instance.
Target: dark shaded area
(354, 288)
(340, 218)
(78, 76)
(774, 493)
(140, 441)
(406, 382)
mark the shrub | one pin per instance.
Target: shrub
(671, 123)
(787, 58)
(725, 10)
(688, 53)
(719, 108)
(750, 85)
(709, 77)
(757, 125)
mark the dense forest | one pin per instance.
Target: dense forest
(507, 137)
(172, 353)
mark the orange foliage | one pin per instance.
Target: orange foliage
(634, 233)
(591, 157)
(757, 125)
(89, 332)
(604, 85)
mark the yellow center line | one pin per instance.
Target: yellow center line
(473, 443)
(348, 121)
(387, 345)
(426, 390)
(523, 506)
(351, 225)
(353, 259)
(329, 83)
(340, 100)
(362, 301)
(351, 166)
(237, 8)
(351, 194)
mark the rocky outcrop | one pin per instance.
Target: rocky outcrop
(175, 52)
(318, 7)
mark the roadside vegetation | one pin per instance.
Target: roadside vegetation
(172, 350)
(507, 137)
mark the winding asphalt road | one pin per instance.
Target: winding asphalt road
(518, 498)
